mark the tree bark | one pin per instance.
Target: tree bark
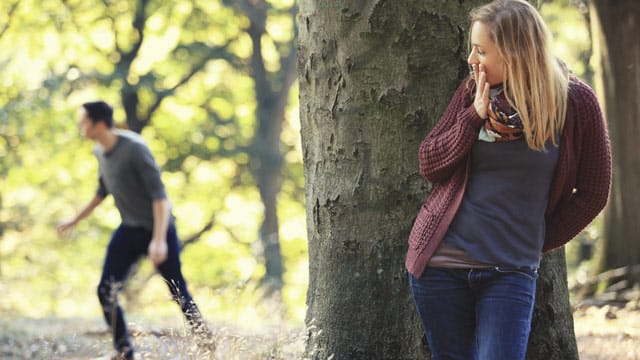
(374, 78)
(552, 334)
(618, 75)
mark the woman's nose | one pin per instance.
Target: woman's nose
(472, 58)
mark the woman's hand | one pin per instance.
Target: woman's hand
(481, 101)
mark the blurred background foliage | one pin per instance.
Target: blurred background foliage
(570, 24)
(183, 73)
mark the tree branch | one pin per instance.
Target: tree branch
(255, 10)
(214, 53)
(195, 237)
(9, 16)
(234, 237)
(94, 48)
(139, 21)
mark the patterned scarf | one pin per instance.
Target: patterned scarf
(503, 122)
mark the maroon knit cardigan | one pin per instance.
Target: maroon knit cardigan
(579, 189)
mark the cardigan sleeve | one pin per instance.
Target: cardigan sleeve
(451, 140)
(593, 174)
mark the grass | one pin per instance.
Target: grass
(25, 338)
(605, 333)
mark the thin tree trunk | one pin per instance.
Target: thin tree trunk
(130, 103)
(267, 161)
(266, 155)
(618, 75)
(374, 78)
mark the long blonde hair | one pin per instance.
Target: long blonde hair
(536, 81)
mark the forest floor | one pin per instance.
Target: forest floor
(84, 339)
(608, 332)
(603, 333)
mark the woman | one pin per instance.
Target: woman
(520, 163)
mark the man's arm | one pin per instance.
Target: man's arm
(149, 172)
(158, 246)
(64, 227)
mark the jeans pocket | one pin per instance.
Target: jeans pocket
(530, 273)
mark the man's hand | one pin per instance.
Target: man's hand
(158, 251)
(65, 227)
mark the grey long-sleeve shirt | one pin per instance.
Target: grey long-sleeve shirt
(129, 173)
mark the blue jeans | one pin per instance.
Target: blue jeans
(127, 246)
(481, 314)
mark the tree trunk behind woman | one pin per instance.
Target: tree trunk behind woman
(374, 78)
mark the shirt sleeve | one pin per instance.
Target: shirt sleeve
(149, 173)
(102, 190)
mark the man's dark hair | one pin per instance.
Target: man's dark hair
(99, 111)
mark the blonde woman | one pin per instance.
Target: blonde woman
(520, 163)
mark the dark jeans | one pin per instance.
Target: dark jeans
(476, 313)
(127, 246)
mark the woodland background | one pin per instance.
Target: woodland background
(211, 86)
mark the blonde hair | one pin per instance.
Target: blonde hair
(536, 81)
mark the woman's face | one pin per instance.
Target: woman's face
(485, 52)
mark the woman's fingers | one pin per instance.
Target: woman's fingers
(484, 99)
(485, 93)
(476, 73)
(482, 90)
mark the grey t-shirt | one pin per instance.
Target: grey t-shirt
(501, 219)
(129, 172)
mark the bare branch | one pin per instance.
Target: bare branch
(163, 94)
(9, 16)
(195, 237)
(234, 237)
(101, 77)
(214, 53)
(139, 21)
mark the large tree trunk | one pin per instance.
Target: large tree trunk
(618, 75)
(552, 336)
(374, 78)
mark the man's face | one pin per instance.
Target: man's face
(86, 126)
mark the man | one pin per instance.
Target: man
(128, 171)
